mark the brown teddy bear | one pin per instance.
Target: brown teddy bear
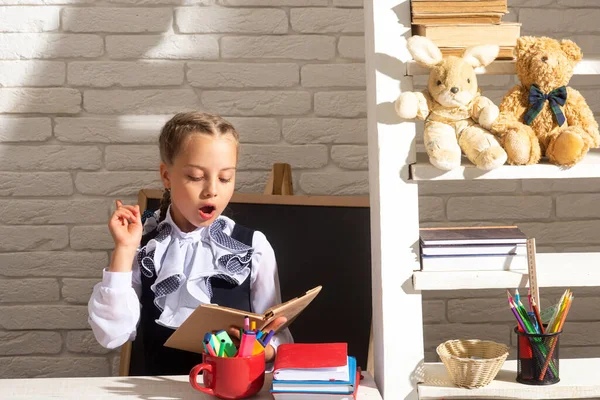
(457, 117)
(542, 116)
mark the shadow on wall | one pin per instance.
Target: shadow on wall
(70, 99)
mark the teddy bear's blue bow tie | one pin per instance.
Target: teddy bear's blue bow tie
(537, 98)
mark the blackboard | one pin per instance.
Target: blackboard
(317, 240)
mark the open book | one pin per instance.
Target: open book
(211, 317)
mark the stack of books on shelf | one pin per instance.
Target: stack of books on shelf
(314, 371)
(454, 25)
(488, 248)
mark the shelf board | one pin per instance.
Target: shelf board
(590, 65)
(589, 167)
(553, 270)
(579, 379)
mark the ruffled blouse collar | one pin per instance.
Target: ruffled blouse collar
(185, 262)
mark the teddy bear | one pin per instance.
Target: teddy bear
(542, 116)
(457, 117)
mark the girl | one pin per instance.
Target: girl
(189, 253)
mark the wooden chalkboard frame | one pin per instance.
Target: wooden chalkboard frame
(332, 201)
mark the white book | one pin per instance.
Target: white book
(311, 396)
(514, 249)
(297, 374)
(474, 263)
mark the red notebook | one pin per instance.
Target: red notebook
(311, 361)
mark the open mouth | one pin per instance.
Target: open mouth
(207, 212)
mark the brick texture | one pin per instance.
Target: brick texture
(85, 87)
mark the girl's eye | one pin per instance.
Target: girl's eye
(223, 180)
(468, 81)
(439, 83)
(195, 178)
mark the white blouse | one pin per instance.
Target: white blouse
(183, 263)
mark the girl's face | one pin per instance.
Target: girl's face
(201, 179)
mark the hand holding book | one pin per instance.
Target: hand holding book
(235, 334)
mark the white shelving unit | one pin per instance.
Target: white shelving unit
(589, 66)
(395, 170)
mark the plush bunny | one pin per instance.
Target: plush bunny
(456, 116)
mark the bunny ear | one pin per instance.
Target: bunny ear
(480, 56)
(424, 51)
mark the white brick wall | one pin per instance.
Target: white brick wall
(85, 87)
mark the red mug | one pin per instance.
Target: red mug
(230, 378)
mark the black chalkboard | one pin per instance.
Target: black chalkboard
(326, 244)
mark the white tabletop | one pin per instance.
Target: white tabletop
(579, 379)
(133, 387)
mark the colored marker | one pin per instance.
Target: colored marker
(210, 349)
(258, 348)
(259, 335)
(246, 323)
(267, 339)
(247, 344)
(253, 326)
(227, 343)
(215, 343)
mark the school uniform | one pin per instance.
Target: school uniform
(173, 273)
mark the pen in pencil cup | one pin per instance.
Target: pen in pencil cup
(267, 339)
(247, 343)
(209, 349)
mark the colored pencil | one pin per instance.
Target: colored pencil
(555, 341)
(536, 310)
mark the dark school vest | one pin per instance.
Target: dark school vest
(148, 355)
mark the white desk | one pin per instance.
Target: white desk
(579, 379)
(133, 387)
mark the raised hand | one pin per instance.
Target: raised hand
(125, 225)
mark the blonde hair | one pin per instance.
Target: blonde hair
(178, 129)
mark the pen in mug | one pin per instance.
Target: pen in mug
(209, 349)
(247, 344)
(267, 339)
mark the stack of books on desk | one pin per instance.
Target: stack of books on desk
(473, 249)
(454, 25)
(314, 371)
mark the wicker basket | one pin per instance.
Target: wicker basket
(472, 363)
